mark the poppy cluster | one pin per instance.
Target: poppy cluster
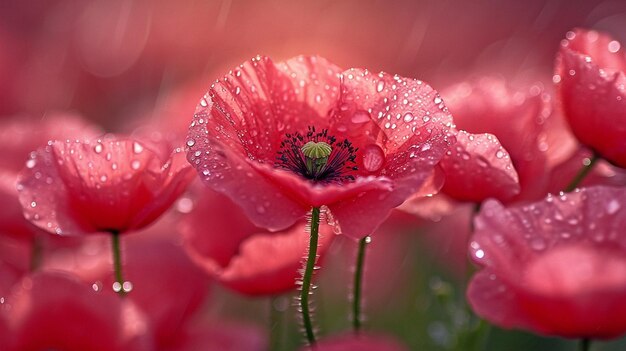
(285, 165)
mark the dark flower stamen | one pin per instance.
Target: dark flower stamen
(317, 156)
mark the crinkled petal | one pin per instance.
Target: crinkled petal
(590, 69)
(477, 168)
(516, 118)
(268, 263)
(102, 185)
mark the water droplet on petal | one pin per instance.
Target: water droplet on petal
(614, 46)
(135, 164)
(137, 148)
(191, 142)
(360, 116)
(373, 157)
(612, 207)
(380, 86)
(408, 117)
(98, 148)
(127, 286)
(499, 154)
(117, 287)
(31, 163)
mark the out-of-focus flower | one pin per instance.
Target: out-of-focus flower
(19, 136)
(222, 240)
(220, 336)
(478, 168)
(553, 267)
(382, 136)
(516, 118)
(56, 311)
(590, 73)
(168, 291)
(364, 342)
(112, 184)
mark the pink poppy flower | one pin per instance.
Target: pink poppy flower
(362, 342)
(591, 84)
(113, 184)
(554, 267)
(517, 119)
(479, 168)
(382, 135)
(19, 136)
(222, 240)
(55, 311)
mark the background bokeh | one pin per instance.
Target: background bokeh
(121, 62)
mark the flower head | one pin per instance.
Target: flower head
(554, 267)
(590, 77)
(112, 184)
(281, 138)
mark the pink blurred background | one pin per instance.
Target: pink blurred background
(116, 60)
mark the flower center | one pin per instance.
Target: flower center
(317, 156)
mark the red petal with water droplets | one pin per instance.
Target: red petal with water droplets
(516, 118)
(556, 266)
(237, 130)
(478, 168)
(101, 185)
(249, 259)
(590, 70)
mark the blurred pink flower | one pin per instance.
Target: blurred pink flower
(56, 311)
(220, 336)
(554, 267)
(19, 136)
(516, 118)
(591, 84)
(222, 240)
(168, 291)
(361, 342)
(387, 133)
(112, 184)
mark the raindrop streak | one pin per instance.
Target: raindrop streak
(373, 158)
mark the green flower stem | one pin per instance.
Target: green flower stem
(117, 262)
(308, 276)
(358, 284)
(587, 167)
(585, 344)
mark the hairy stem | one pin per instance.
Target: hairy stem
(587, 167)
(358, 284)
(308, 276)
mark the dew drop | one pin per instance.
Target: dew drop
(360, 116)
(612, 207)
(380, 86)
(98, 148)
(33, 204)
(135, 164)
(479, 254)
(408, 117)
(203, 102)
(127, 286)
(31, 163)
(499, 154)
(373, 157)
(437, 100)
(237, 90)
(117, 287)
(614, 46)
(191, 142)
(137, 148)
(537, 243)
